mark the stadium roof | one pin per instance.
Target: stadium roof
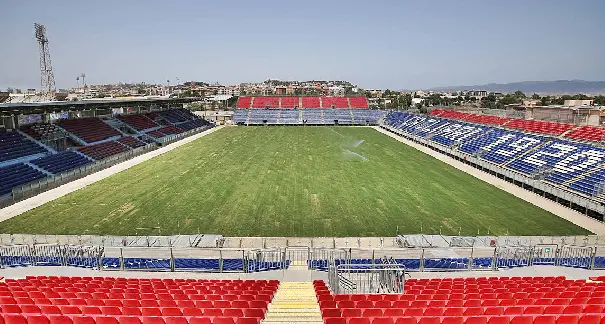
(38, 107)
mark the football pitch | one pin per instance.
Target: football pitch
(291, 181)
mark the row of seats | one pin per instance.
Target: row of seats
(309, 116)
(61, 162)
(14, 145)
(247, 102)
(103, 150)
(15, 175)
(587, 133)
(138, 122)
(131, 142)
(435, 301)
(90, 129)
(104, 319)
(94, 299)
(42, 131)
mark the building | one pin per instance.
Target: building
(578, 103)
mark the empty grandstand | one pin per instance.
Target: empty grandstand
(569, 172)
(46, 144)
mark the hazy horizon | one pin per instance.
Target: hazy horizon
(383, 44)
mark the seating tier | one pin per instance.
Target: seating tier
(61, 162)
(88, 300)
(89, 129)
(14, 145)
(16, 175)
(103, 150)
(139, 122)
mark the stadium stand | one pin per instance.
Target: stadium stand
(139, 122)
(289, 102)
(261, 116)
(174, 116)
(289, 116)
(106, 300)
(538, 126)
(588, 133)
(333, 116)
(193, 124)
(42, 130)
(170, 130)
(312, 116)
(15, 175)
(487, 119)
(61, 162)
(501, 146)
(310, 102)
(244, 102)
(90, 129)
(368, 116)
(131, 142)
(240, 116)
(156, 134)
(359, 102)
(334, 102)
(265, 102)
(14, 145)
(103, 150)
(495, 300)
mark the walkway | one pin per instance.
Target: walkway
(43, 198)
(569, 214)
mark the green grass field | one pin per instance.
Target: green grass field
(291, 181)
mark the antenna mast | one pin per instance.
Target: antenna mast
(47, 77)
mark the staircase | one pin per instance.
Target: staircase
(294, 302)
(322, 117)
(278, 115)
(300, 115)
(248, 119)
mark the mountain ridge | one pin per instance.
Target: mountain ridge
(540, 87)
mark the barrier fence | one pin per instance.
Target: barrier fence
(367, 279)
(255, 260)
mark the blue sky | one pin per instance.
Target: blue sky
(375, 44)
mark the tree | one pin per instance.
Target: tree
(519, 94)
(535, 96)
(599, 100)
(386, 93)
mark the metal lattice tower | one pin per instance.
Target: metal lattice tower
(47, 77)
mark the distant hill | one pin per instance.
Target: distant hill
(540, 87)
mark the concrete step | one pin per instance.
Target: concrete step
(294, 302)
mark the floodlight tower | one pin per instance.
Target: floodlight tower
(47, 77)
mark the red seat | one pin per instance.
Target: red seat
(50, 309)
(545, 319)
(393, 312)
(60, 319)
(200, 320)
(255, 312)
(247, 320)
(406, 320)
(568, 319)
(351, 312)
(372, 312)
(153, 320)
(590, 319)
(106, 320)
(223, 320)
(335, 320)
(171, 311)
(14, 319)
(359, 320)
(189, 311)
(213, 312)
(453, 320)
(111, 310)
(498, 320)
(83, 320)
(429, 320)
(382, 320)
(522, 320)
(476, 320)
(331, 312)
(176, 320)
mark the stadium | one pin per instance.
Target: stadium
(302, 209)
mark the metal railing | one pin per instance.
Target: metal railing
(367, 279)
